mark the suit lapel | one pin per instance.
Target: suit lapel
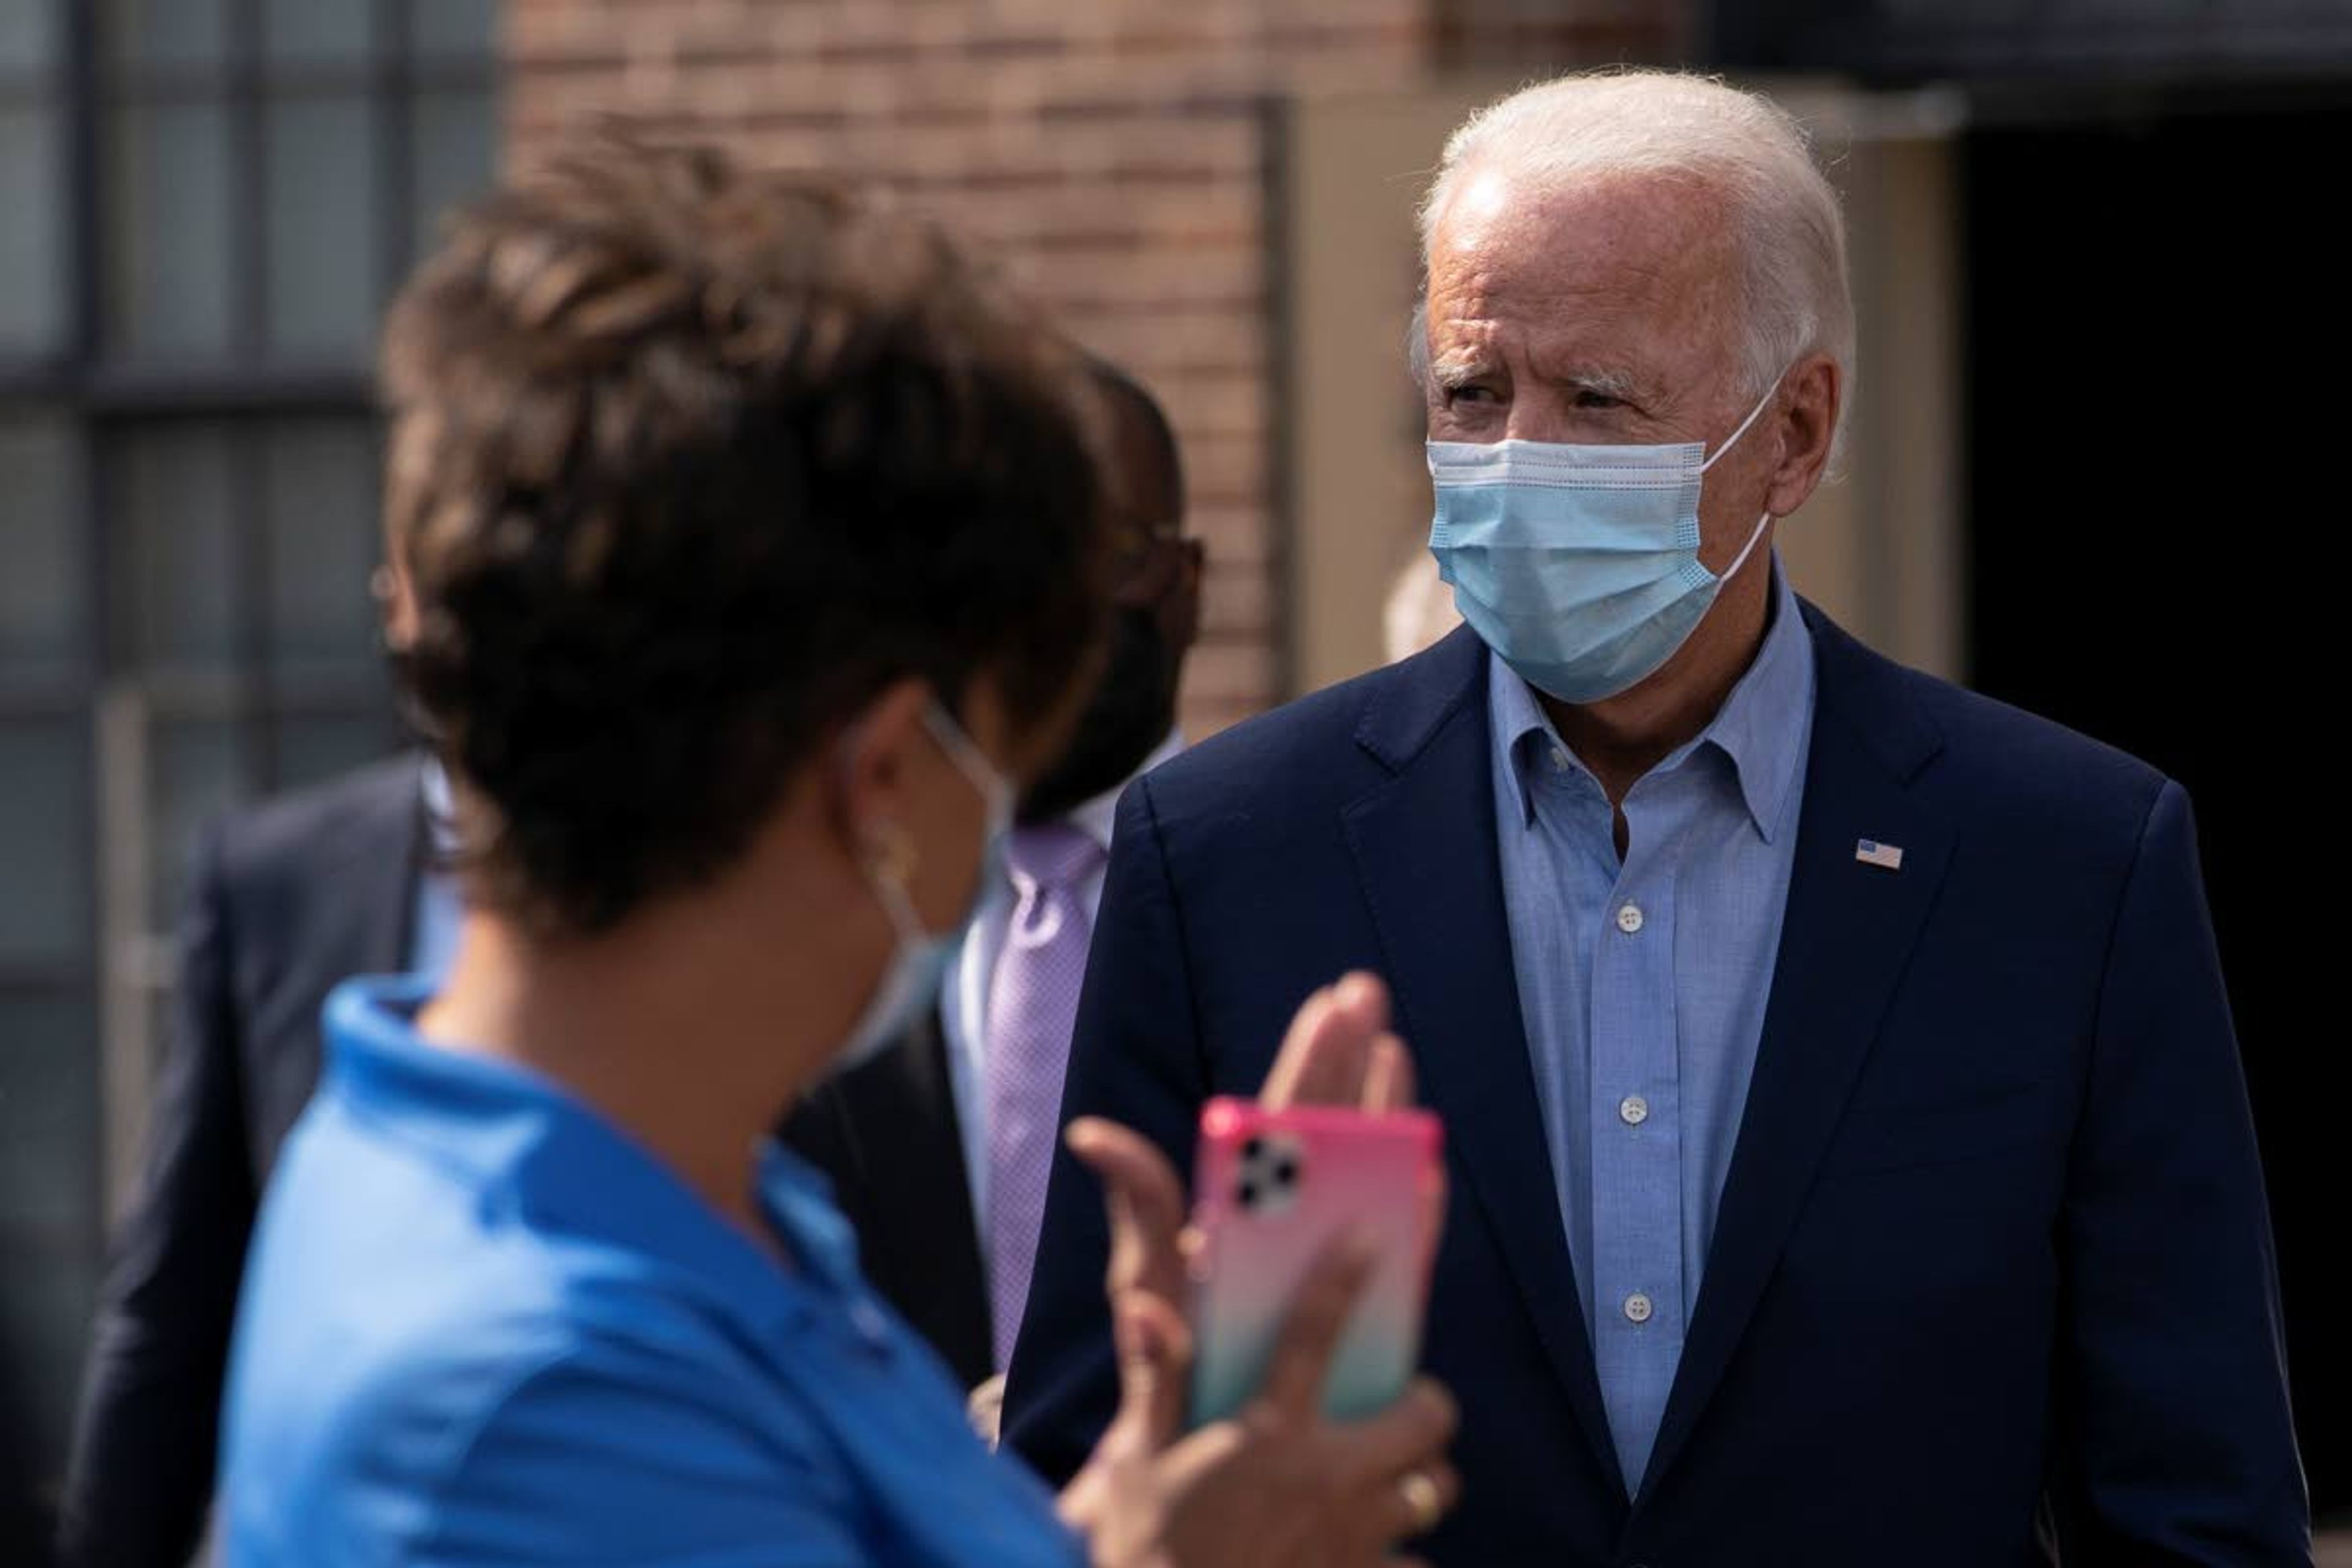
(1846, 936)
(1425, 850)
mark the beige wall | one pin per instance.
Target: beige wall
(1878, 547)
(1358, 488)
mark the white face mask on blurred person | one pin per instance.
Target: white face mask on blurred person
(909, 986)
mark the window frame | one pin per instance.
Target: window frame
(82, 379)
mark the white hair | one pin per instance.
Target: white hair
(1601, 125)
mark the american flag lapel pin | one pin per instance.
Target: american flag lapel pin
(1871, 852)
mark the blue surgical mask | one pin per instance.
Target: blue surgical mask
(909, 987)
(1577, 564)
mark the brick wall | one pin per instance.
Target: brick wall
(1113, 153)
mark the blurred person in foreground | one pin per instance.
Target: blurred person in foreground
(757, 553)
(288, 900)
(294, 896)
(1852, 1162)
(939, 1148)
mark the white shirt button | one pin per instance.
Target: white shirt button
(1638, 1308)
(1559, 759)
(1629, 919)
(1633, 1110)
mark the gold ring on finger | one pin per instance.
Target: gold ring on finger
(1423, 1500)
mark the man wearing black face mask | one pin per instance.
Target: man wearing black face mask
(939, 1148)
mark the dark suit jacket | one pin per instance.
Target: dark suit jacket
(23, 1537)
(288, 900)
(1993, 1235)
(887, 1137)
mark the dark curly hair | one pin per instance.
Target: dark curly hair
(688, 463)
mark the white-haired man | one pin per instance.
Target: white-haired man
(1850, 1160)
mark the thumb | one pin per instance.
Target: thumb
(1155, 1351)
(1145, 1276)
(1146, 1204)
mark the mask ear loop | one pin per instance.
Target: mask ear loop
(970, 760)
(1753, 414)
(1728, 573)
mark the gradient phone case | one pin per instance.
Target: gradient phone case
(1271, 1187)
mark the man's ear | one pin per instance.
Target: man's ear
(1807, 429)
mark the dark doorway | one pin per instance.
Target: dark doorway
(2160, 465)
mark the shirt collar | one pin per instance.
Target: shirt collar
(1519, 725)
(1096, 816)
(1759, 728)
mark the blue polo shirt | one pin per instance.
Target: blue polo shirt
(480, 1325)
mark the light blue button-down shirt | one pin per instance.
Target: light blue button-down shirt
(1642, 984)
(480, 1325)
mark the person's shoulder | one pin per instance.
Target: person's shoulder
(632, 1427)
(511, 1389)
(462, 1426)
(359, 1388)
(472, 1269)
(290, 833)
(1983, 760)
(1326, 745)
(638, 1367)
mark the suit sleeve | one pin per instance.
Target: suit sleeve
(141, 1477)
(1135, 1060)
(2176, 1445)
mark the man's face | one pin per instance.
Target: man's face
(1603, 315)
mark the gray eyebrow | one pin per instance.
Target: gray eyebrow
(1454, 369)
(1620, 385)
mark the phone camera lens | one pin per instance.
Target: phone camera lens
(1287, 1173)
(1252, 1149)
(1249, 1194)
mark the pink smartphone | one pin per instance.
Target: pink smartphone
(1271, 1188)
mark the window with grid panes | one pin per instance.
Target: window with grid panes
(207, 203)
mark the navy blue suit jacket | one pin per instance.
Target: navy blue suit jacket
(1994, 1266)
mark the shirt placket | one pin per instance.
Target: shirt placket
(1635, 1131)
(1570, 831)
